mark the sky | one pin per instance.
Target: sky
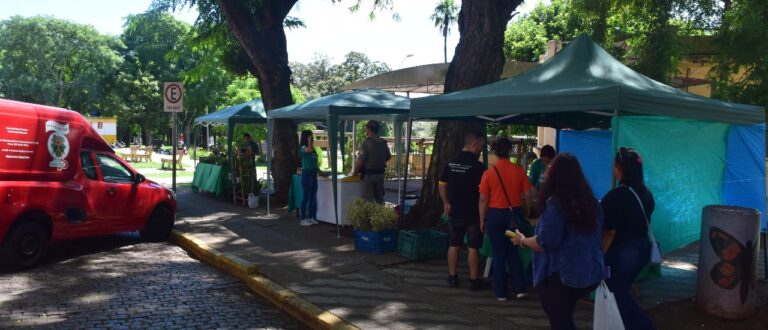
(330, 28)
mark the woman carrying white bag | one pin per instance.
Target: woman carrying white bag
(567, 260)
(627, 240)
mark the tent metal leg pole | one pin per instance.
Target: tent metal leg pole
(399, 156)
(354, 144)
(194, 146)
(270, 131)
(405, 176)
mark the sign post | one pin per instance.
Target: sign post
(173, 101)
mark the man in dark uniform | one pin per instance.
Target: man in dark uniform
(458, 189)
(374, 154)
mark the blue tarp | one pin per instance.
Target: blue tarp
(593, 150)
(745, 168)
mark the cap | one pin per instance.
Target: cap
(372, 124)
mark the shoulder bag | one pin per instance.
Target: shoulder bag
(656, 254)
(518, 222)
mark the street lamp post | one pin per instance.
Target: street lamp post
(403, 61)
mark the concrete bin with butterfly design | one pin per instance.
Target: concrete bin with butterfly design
(728, 253)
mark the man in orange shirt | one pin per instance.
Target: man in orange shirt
(503, 189)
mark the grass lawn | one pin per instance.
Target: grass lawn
(169, 174)
(140, 165)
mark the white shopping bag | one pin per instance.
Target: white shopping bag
(253, 201)
(607, 316)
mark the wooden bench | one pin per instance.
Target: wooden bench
(146, 156)
(179, 156)
(132, 155)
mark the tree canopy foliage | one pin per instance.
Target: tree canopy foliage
(646, 34)
(56, 62)
(742, 42)
(320, 77)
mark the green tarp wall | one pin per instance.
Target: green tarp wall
(684, 166)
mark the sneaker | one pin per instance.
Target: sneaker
(477, 284)
(521, 295)
(453, 281)
(305, 222)
(312, 221)
(501, 298)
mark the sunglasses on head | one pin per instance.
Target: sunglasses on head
(622, 152)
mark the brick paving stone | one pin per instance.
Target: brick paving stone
(120, 282)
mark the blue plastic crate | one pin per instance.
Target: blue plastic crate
(381, 241)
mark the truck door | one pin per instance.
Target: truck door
(121, 207)
(77, 202)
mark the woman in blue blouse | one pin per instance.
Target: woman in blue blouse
(567, 259)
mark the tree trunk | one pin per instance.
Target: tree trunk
(445, 36)
(479, 60)
(263, 40)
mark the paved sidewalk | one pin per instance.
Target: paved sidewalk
(382, 291)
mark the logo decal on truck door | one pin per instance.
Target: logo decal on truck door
(58, 145)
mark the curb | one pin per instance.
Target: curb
(301, 309)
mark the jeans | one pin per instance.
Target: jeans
(626, 260)
(559, 301)
(308, 208)
(504, 254)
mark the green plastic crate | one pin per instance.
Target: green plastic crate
(418, 245)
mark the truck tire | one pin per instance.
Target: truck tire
(158, 226)
(25, 246)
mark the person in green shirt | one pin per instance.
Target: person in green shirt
(308, 208)
(249, 148)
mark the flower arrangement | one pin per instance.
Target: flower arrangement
(371, 216)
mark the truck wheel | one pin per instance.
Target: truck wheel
(158, 226)
(24, 246)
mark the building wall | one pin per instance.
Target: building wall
(106, 126)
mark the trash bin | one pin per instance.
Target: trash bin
(727, 274)
(409, 201)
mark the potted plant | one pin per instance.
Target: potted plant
(374, 226)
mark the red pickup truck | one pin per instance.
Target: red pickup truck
(60, 180)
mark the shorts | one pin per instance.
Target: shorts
(460, 227)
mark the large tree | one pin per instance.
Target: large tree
(149, 38)
(55, 62)
(478, 60)
(160, 48)
(258, 26)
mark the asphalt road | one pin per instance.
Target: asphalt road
(119, 282)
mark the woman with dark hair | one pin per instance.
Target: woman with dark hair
(625, 239)
(308, 209)
(503, 189)
(567, 260)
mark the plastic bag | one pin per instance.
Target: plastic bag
(253, 201)
(656, 255)
(607, 316)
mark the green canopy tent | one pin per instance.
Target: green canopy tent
(581, 87)
(364, 104)
(584, 87)
(244, 113)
